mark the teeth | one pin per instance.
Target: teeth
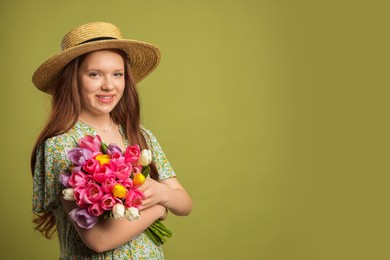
(104, 97)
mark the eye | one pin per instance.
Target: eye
(119, 74)
(93, 74)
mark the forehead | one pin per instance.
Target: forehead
(102, 58)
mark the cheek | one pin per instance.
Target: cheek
(87, 87)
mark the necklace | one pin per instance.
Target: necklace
(103, 130)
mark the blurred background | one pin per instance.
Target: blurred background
(273, 113)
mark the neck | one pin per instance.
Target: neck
(102, 123)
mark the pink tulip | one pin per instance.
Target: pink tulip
(94, 192)
(91, 166)
(116, 161)
(137, 169)
(134, 198)
(132, 154)
(123, 172)
(77, 179)
(82, 200)
(128, 183)
(102, 174)
(96, 209)
(92, 143)
(108, 201)
(108, 184)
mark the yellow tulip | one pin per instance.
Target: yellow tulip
(119, 191)
(139, 179)
(103, 159)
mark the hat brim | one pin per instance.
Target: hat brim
(144, 58)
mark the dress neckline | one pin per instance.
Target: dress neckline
(83, 127)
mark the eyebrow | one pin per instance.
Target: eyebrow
(93, 69)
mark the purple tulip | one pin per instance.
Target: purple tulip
(79, 156)
(75, 168)
(113, 148)
(64, 179)
(82, 217)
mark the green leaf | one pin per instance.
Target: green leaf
(104, 148)
(145, 171)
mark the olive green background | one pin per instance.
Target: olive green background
(274, 114)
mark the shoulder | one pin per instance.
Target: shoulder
(55, 150)
(69, 138)
(61, 141)
(150, 138)
(57, 147)
(164, 168)
(145, 131)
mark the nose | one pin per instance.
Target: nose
(107, 84)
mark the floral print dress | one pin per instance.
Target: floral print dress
(51, 161)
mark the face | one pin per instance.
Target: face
(101, 80)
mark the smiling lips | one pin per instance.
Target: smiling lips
(105, 98)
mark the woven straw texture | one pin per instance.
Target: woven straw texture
(144, 57)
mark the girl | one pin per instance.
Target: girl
(92, 82)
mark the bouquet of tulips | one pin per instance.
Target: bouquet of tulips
(104, 181)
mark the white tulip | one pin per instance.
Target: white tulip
(68, 194)
(118, 211)
(132, 214)
(145, 158)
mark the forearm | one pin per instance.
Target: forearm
(177, 201)
(110, 233)
(175, 198)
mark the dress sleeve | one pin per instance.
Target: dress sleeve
(164, 168)
(50, 162)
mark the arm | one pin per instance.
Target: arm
(110, 233)
(168, 193)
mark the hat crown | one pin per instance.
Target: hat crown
(89, 32)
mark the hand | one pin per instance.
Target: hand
(154, 193)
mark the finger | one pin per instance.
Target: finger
(147, 194)
(144, 186)
(145, 204)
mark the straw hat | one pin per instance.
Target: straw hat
(144, 57)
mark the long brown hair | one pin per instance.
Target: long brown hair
(65, 110)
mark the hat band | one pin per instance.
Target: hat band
(98, 39)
